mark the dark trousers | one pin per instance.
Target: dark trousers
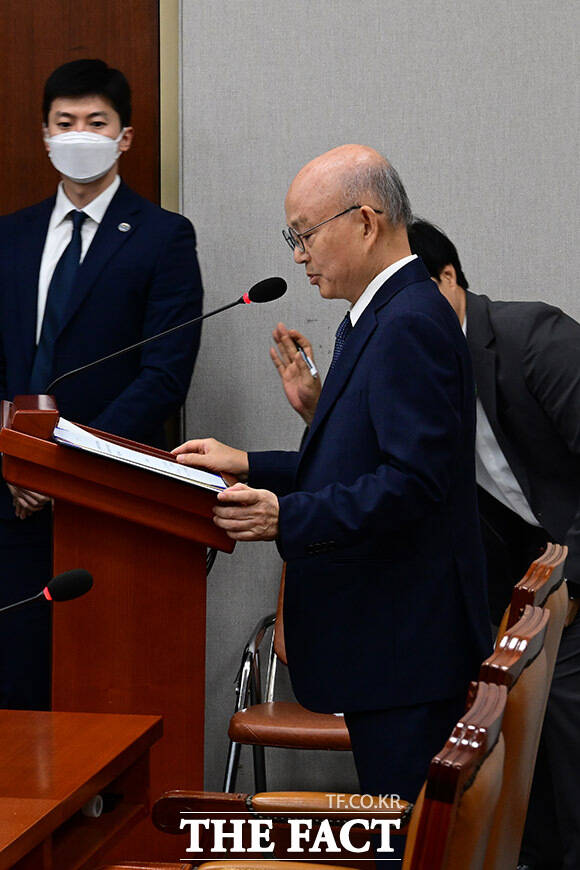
(552, 834)
(393, 748)
(511, 545)
(25, 640)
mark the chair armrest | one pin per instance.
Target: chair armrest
(335, 806)
(166, 813)
(167, 809)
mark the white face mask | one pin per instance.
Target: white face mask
(83, 157)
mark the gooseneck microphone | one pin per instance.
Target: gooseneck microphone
(63, 587)
(264, 291)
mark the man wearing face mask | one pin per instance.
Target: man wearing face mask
(87, 272)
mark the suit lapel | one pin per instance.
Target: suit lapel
(124, 210)
(365, 326)
(28, 255)
(481, 342)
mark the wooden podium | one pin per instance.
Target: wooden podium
(136, 642)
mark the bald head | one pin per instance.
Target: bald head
(358, 174)
(349, 213)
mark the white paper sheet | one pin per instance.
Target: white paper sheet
(73, 436)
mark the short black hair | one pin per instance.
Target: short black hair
(435, 249)
(84, 78)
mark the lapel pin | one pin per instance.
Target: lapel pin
(124, 227)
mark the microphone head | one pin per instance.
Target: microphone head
(266, 290)
(69, 585)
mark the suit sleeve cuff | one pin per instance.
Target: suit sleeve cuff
(274, 470)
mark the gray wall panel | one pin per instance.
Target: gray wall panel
(475, 104)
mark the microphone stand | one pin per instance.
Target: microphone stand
(240, 301)
(18, 604)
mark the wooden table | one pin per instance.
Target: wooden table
(51, 764)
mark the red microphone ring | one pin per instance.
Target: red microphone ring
(246, 298)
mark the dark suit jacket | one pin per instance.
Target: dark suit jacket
(385, 594)
(130, 285)
(526, 360)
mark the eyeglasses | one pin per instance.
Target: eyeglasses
(296, 240)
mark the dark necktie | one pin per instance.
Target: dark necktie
(59, 293)
(342, 333)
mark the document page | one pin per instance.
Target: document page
(74, 436)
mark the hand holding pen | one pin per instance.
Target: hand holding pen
(294, 361)
(311, 367)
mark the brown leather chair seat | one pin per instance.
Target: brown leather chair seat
(288, 725)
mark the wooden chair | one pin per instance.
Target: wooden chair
(452, 818)
(289, 725)
(519, 662)
(440, 829)
(283, 724)
(543, 585)
(451, 822)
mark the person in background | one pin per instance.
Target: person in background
(91, 270)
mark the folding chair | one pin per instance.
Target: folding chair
(283, 724)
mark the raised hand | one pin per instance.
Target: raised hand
(302, 390)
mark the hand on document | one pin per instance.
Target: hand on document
(214, 456)
(245, 514)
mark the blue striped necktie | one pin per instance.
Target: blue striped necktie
(59, 293)
(342, 333)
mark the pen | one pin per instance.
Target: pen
(311, 367)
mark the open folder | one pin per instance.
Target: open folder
(69, 434)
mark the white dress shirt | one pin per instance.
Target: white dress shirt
(375, 285)
(492, 470)
(59, 235)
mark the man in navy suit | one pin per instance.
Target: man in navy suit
(385, 607)
(526, 360)
(87, 272)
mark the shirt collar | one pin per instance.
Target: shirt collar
(375, 285)
(95, 209)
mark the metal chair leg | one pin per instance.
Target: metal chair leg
(259, 768)
(248, 684)
(232, 764)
